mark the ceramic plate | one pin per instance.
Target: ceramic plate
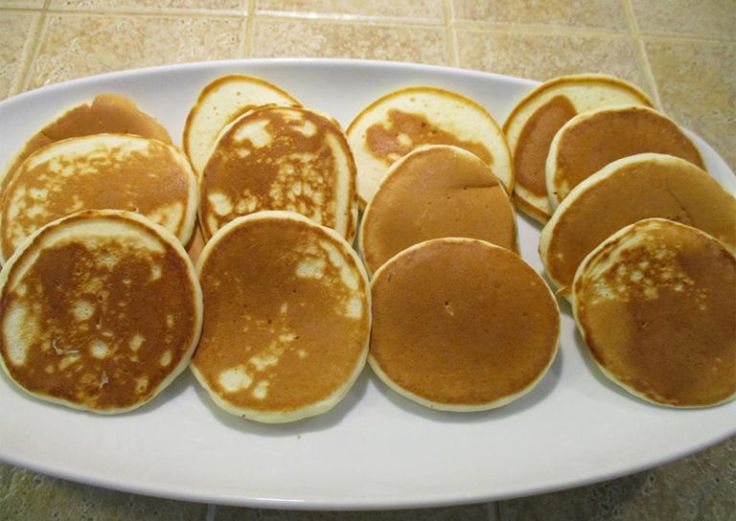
(376, 449)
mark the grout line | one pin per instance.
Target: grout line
(504, 27)
(451, 43)
(684, 38)
(642, 57)
(161, 12)
(249, 29)
(211, 513)
(630, 17)
(349, 18)
(30, 51)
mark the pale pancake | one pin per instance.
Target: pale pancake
(626, 191)
(461, 325)
(288, 317)
(106, 113)
(281, 158)
(535, 120)
(591, 140)
(404, 119)
(116, 171)
(435, 191)
(221, 102)
(656, 306)
(100, 311)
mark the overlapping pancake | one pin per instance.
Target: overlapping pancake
(404, 119)
(626, 191)
(107, 113)
(100, 310)
(535, 120)
(435, 191)
(656, 306)
(288, 317)
(118, 171)
(461, 325)
(591, 140)
(220, 103)
(281, 158)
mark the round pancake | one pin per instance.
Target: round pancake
(404, 119)
(461, 325)
(221, 102)
(288, 317)
(535, 120)
(281, 158)
(100, 310)
(591, 140)
(656, 306)
(116, 171)
(107, 113)
(626, 191)
(435, 191)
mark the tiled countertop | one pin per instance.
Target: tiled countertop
(682, 52)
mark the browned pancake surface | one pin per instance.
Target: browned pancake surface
(108, 321)
(436, 192)
(282, 328)
(662, 318)
(458, 321)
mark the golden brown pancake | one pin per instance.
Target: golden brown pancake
(626, 191)
(281, 158)
(656, 306)
(107, 113)
(118, 171)
(535, 120)
(288, 317)
(591, 140)
(435, 191)
(409, 117)
(100, 311)
(220, 103)
(461, 325)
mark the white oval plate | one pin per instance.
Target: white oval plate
(376, 449)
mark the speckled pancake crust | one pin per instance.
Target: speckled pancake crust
(432, 192)
(591, 140)
(626, 191)
(406, 118)
(461, 325)
(535, 120)
(281, 158)
(100, 311)
(102, 171)
(656, 306)
(220, 103)
(288, 317)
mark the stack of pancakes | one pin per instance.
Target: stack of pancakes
(101, 306)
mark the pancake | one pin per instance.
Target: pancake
(281, 158)
(435, 191)
(535, 120)
(117, 171)
(106, 113)
(404, 119)
(626, 191)
(656, 306)
(591, 140)
(100, 310)
(221, 102)
(288, 317)
(461, 325)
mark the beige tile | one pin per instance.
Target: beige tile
(699, 487)
(22, 4)
(347, 40)
(15, 36)
(415, 9)
(80, 45)
(697, 86)
(461, 513)
(542, 56)
(708, 18)
(148, 5)
(33, 497)
(598, 14)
